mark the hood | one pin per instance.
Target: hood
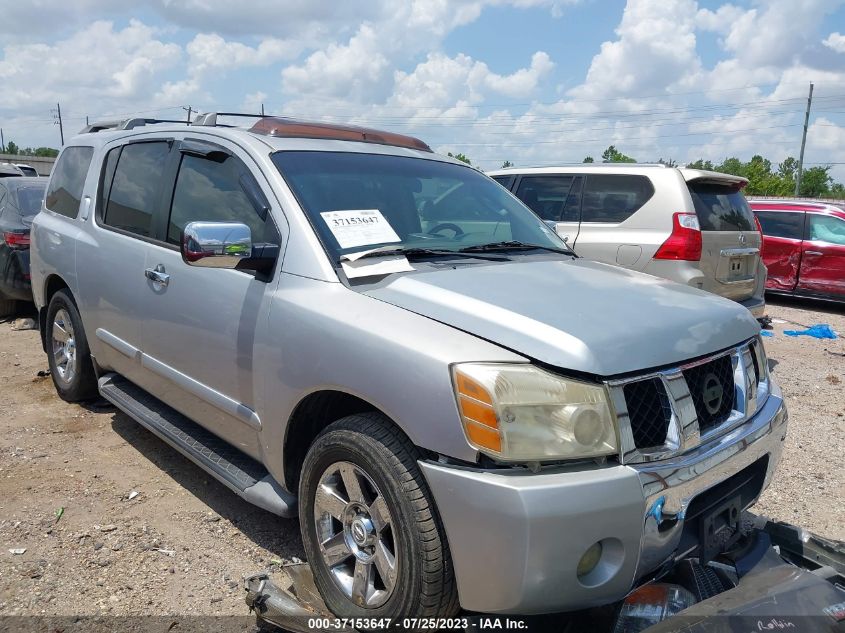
(575, 314)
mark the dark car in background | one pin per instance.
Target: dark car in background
(20, 200)
(803, 247)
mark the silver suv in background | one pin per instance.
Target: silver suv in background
(687, 225)
(338, 323)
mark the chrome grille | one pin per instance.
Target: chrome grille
(649, 411)
(711, 386)
(669, 411)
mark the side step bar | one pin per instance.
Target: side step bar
(240, 473)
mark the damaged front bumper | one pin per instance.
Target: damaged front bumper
(516, 537)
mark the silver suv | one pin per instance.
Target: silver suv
(337, 323)
(687, 225)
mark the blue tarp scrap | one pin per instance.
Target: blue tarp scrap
(820, 330)
(766, 333)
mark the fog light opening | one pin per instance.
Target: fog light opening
(589, 560)
(600, 562)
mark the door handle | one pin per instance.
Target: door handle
(157, 275)
(813, 253)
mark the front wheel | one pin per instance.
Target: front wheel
(369, 525)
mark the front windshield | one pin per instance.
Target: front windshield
(29, 199)
(360, 201)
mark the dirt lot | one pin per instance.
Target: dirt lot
(183, 543)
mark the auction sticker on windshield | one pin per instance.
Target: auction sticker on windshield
(360, 227)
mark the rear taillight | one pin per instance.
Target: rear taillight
(17, 240)
(685, 241)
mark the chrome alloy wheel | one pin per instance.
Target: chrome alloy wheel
(64, 347)
(356, 534)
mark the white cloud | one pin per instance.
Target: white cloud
(656, 47)
(209, 51)
(836, 42)
(99, 63)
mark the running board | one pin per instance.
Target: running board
(240, 473)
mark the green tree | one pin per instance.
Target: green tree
(11, 148)
(507, 164)
(669, 162)
(837, 191)
(816, 182)
(589, 159)
(701, 164)
(612, 155)
(461, 157)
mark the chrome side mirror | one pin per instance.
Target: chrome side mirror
(216, 244)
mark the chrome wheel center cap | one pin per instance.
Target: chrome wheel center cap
(362, 531)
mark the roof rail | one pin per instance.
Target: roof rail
(125, 124)
(210, 118)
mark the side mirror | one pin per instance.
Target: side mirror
(216, 244)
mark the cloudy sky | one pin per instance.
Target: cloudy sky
(530, 81)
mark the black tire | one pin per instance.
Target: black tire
(8, 307)
(81, 385)
(424, 580)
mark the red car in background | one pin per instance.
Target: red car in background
(803, 247)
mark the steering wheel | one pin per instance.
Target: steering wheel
(459, 232)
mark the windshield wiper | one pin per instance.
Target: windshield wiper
(513, 245)
(418, 253)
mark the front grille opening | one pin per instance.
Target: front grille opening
(757, 375)
(649, 412)
(711, 386)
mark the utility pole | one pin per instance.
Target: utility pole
(262, 109)
(2, 142)
(57, 120)
(189, 110)
(803, 143)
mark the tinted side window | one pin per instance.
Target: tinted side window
(720, 207)
(826, 228)
(207, 190)
(781, 224)
(545, 195)
(614, 198)
(505, 181)
(68, 178)
(135, 187)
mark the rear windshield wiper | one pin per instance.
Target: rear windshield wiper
(513, 245)
(418, 253)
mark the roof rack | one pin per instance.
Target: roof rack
(280, 127)
(124, 124)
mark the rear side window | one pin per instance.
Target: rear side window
(135, 188)
(505, 181)
(29, 199)
(721, 207)
(547, 196)
(781, 224)
(68, 179)
(207, 190)
(613, 198)
(826, 228)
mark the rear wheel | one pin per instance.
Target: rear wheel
(67, 351)
(369, 525)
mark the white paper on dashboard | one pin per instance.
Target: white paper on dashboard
(360, 227)
(376, 266)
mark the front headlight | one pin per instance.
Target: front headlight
(523, 413)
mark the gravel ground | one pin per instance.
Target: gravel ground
(182, 544)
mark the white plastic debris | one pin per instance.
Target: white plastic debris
(17, 551)
(132, 495)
